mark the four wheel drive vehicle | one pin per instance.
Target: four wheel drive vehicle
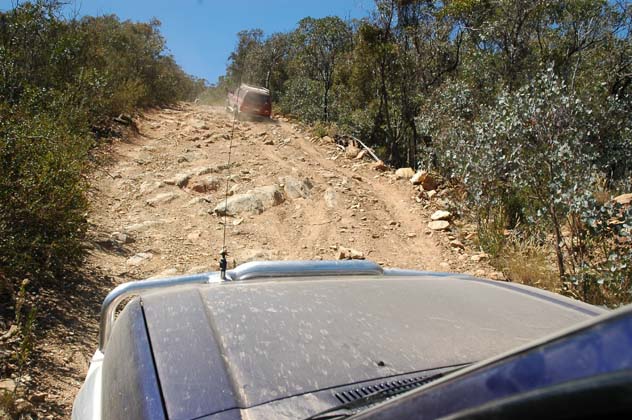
(324, 340)
(250, 100)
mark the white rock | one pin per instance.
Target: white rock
(269, 195)
(163, 198)
(404, 173)
(418, 177)
(439, 225)
(331, 198)
(349, 254)
(441, 215)
(139, 259)
(239, 203)
(295, 188)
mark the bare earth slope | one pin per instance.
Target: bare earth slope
(162, 189)
(152, 216)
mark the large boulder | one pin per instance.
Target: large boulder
(297, 188)
(423, 178)
(379, 166)
(404, 173)
(204, 185)
(352, 151)
(254, 201)
(239, 203)
(269, 195)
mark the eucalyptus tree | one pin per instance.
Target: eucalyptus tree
(320, 45)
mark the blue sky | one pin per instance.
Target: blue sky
(202, 33)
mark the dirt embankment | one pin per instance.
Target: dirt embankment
(153, 215)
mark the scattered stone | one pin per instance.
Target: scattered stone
(137, 227)
(379, 166)
(431, 194)
(429, 183)
(423, 178)
(441, 215)
(38, 397)
(198, 269)
(328, 139)
(268, 142)
(237, 222)
(13, 330)
(351, 152)
(404, 173)
(193, 236)
(295, 188)
(417, 178)
(204, 170)
(139, 259)
(496, 275)
(210, 183)
(331, 198)
(457, 244)
(233, 190)
(624, 199)
(258, 255)
(7, 385)
(239, 203)
(439, 225)
(179, 180)
(163, 198)
(479, 257)
(200, 125)
(170, 272)
(269, 196)
(412, 235)
(147, 187)
(349, 254)
(121, 238)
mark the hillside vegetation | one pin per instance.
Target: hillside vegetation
(523, 106)
(61, 83)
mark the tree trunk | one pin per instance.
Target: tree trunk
(558, 241)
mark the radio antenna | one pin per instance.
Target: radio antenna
(223, 263)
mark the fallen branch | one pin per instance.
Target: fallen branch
(368, 149)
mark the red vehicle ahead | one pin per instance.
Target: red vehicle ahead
(250, 100)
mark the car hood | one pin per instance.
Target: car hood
(241, 345)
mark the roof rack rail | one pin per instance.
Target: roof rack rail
(284, 269)
(256, 88)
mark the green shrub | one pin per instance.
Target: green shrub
(42, 202)
(62, 77)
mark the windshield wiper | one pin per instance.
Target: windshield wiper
(350, 408)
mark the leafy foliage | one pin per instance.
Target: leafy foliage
(61, 80)
(525, 104)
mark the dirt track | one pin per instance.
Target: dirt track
(143, 224)
(171, 226)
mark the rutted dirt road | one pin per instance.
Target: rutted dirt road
(152, 215)
(155, 203)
